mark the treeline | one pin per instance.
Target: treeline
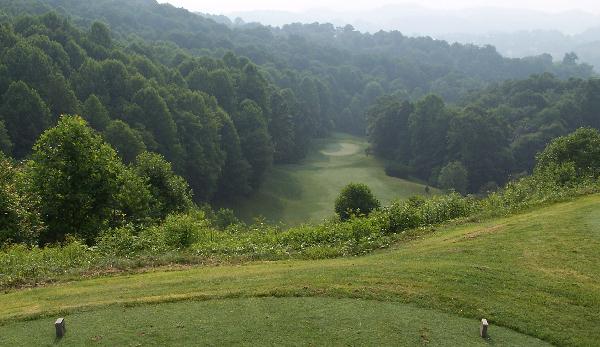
(352, 69)
(220, 122)
(482, 143)
(169, 81)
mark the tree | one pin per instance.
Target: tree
(25, 117)
(20, 220)
(388, 128)
(126, 141)
(198, 130)
(5, 142)
(59, 96)
(454, 176)
(253, 86)
(203, 156)
(310, 108)
(29, 64)
(235, 176)
(100, 35)
(281, 128)
(428, 126)
(480, 142)
(578, 152)
(570, 58)
(220, 84)
(355, 199)
(76, 174)
(170, 192)
(198, 80)
(255, 140)
(154, 114)
(95, 113)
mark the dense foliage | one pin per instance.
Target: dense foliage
(220, 122)
(493, 136)
(173, 110)
(200, 236)
(75, 185)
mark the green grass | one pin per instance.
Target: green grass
(264, 321)
(535, 273)
(306, 192)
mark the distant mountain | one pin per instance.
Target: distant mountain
(527, 43)
(514, 32)
(415, 19)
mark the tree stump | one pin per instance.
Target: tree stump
(60, 327)
(484, 328)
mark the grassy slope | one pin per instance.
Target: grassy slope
(536, 273)
(305, 192)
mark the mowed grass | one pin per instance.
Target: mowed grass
(306, 192)
(264, 322)
(536, 273)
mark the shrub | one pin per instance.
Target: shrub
(454, 176)
(225, 218)
(355, 199)
(120, 242)
(180, 231)
(444, 208)
(571, 157)
(20, 220)
(404, 215)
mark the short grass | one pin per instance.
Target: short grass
(535, 273)
(264, 322)
(306, 192)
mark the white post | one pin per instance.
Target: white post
(484, 328)
(60, 327)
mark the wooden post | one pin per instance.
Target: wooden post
(484, 328)
(60, 327)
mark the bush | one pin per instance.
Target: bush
(404, 215)
(444, 208)
(355, 199)
(454, 176)
(572, 157)
(180, 231)
(20, 220)
(120, 242)
(224, 218)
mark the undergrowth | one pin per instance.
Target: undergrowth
(197, 238)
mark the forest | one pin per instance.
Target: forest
(173, 178)
(486, 140)
(177, 110)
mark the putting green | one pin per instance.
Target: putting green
(306, 192)
(264, 322)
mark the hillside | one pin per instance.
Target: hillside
(534, 273)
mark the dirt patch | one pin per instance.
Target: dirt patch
(477, 233)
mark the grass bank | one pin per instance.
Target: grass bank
(535, 273)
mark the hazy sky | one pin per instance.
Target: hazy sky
(227, 6)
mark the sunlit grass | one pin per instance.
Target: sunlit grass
(306, 192)
(536, 273)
